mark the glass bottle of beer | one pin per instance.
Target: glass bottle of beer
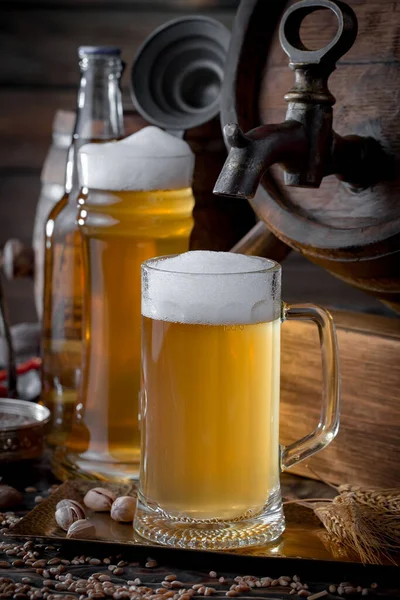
(99, 118)
(137, 203)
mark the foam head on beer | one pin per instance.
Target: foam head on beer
(150, 159)
(214, 288)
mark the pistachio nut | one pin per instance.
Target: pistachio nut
(69, 502)
(123, 509)
(81, 529)
(99, 499)
(68, 511)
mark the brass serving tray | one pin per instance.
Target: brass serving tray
(304, 538)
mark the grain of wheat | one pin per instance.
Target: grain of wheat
(383, 499)
(370, 532)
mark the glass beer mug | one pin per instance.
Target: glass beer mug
(136, 203)
(210, 453)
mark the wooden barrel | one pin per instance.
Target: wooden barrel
(355, 236)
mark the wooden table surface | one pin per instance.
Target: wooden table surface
(188, 566)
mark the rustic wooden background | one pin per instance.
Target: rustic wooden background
(38, 74)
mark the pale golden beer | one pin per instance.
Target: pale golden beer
(121, 226)
(210, 453)
(215, 388)
(108, 428)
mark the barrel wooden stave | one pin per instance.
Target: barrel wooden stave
(355, 236)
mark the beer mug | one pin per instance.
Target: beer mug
(210, 453)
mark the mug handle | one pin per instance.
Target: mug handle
(328, 425)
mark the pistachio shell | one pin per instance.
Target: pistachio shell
(68, 513)
(123, 509)
(69, 502)
(81, 529)
(99, 499)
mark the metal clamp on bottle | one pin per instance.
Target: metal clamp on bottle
(305, 144)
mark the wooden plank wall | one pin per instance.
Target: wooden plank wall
(38, 74)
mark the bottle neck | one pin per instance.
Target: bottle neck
(99, 115)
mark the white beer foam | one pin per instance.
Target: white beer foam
(215, 288)
(150, 159)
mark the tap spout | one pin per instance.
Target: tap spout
(251, 154)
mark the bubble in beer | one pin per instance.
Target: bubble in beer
(215, 288)
(150, 159)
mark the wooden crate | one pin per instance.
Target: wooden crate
(367, 448)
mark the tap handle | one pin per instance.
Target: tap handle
(299, 54)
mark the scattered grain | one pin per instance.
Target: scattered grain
(40, 564)
(176, 584)
(151, 563)
(318, 595)
(209, 591)
(18, 563)
(349, 589)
